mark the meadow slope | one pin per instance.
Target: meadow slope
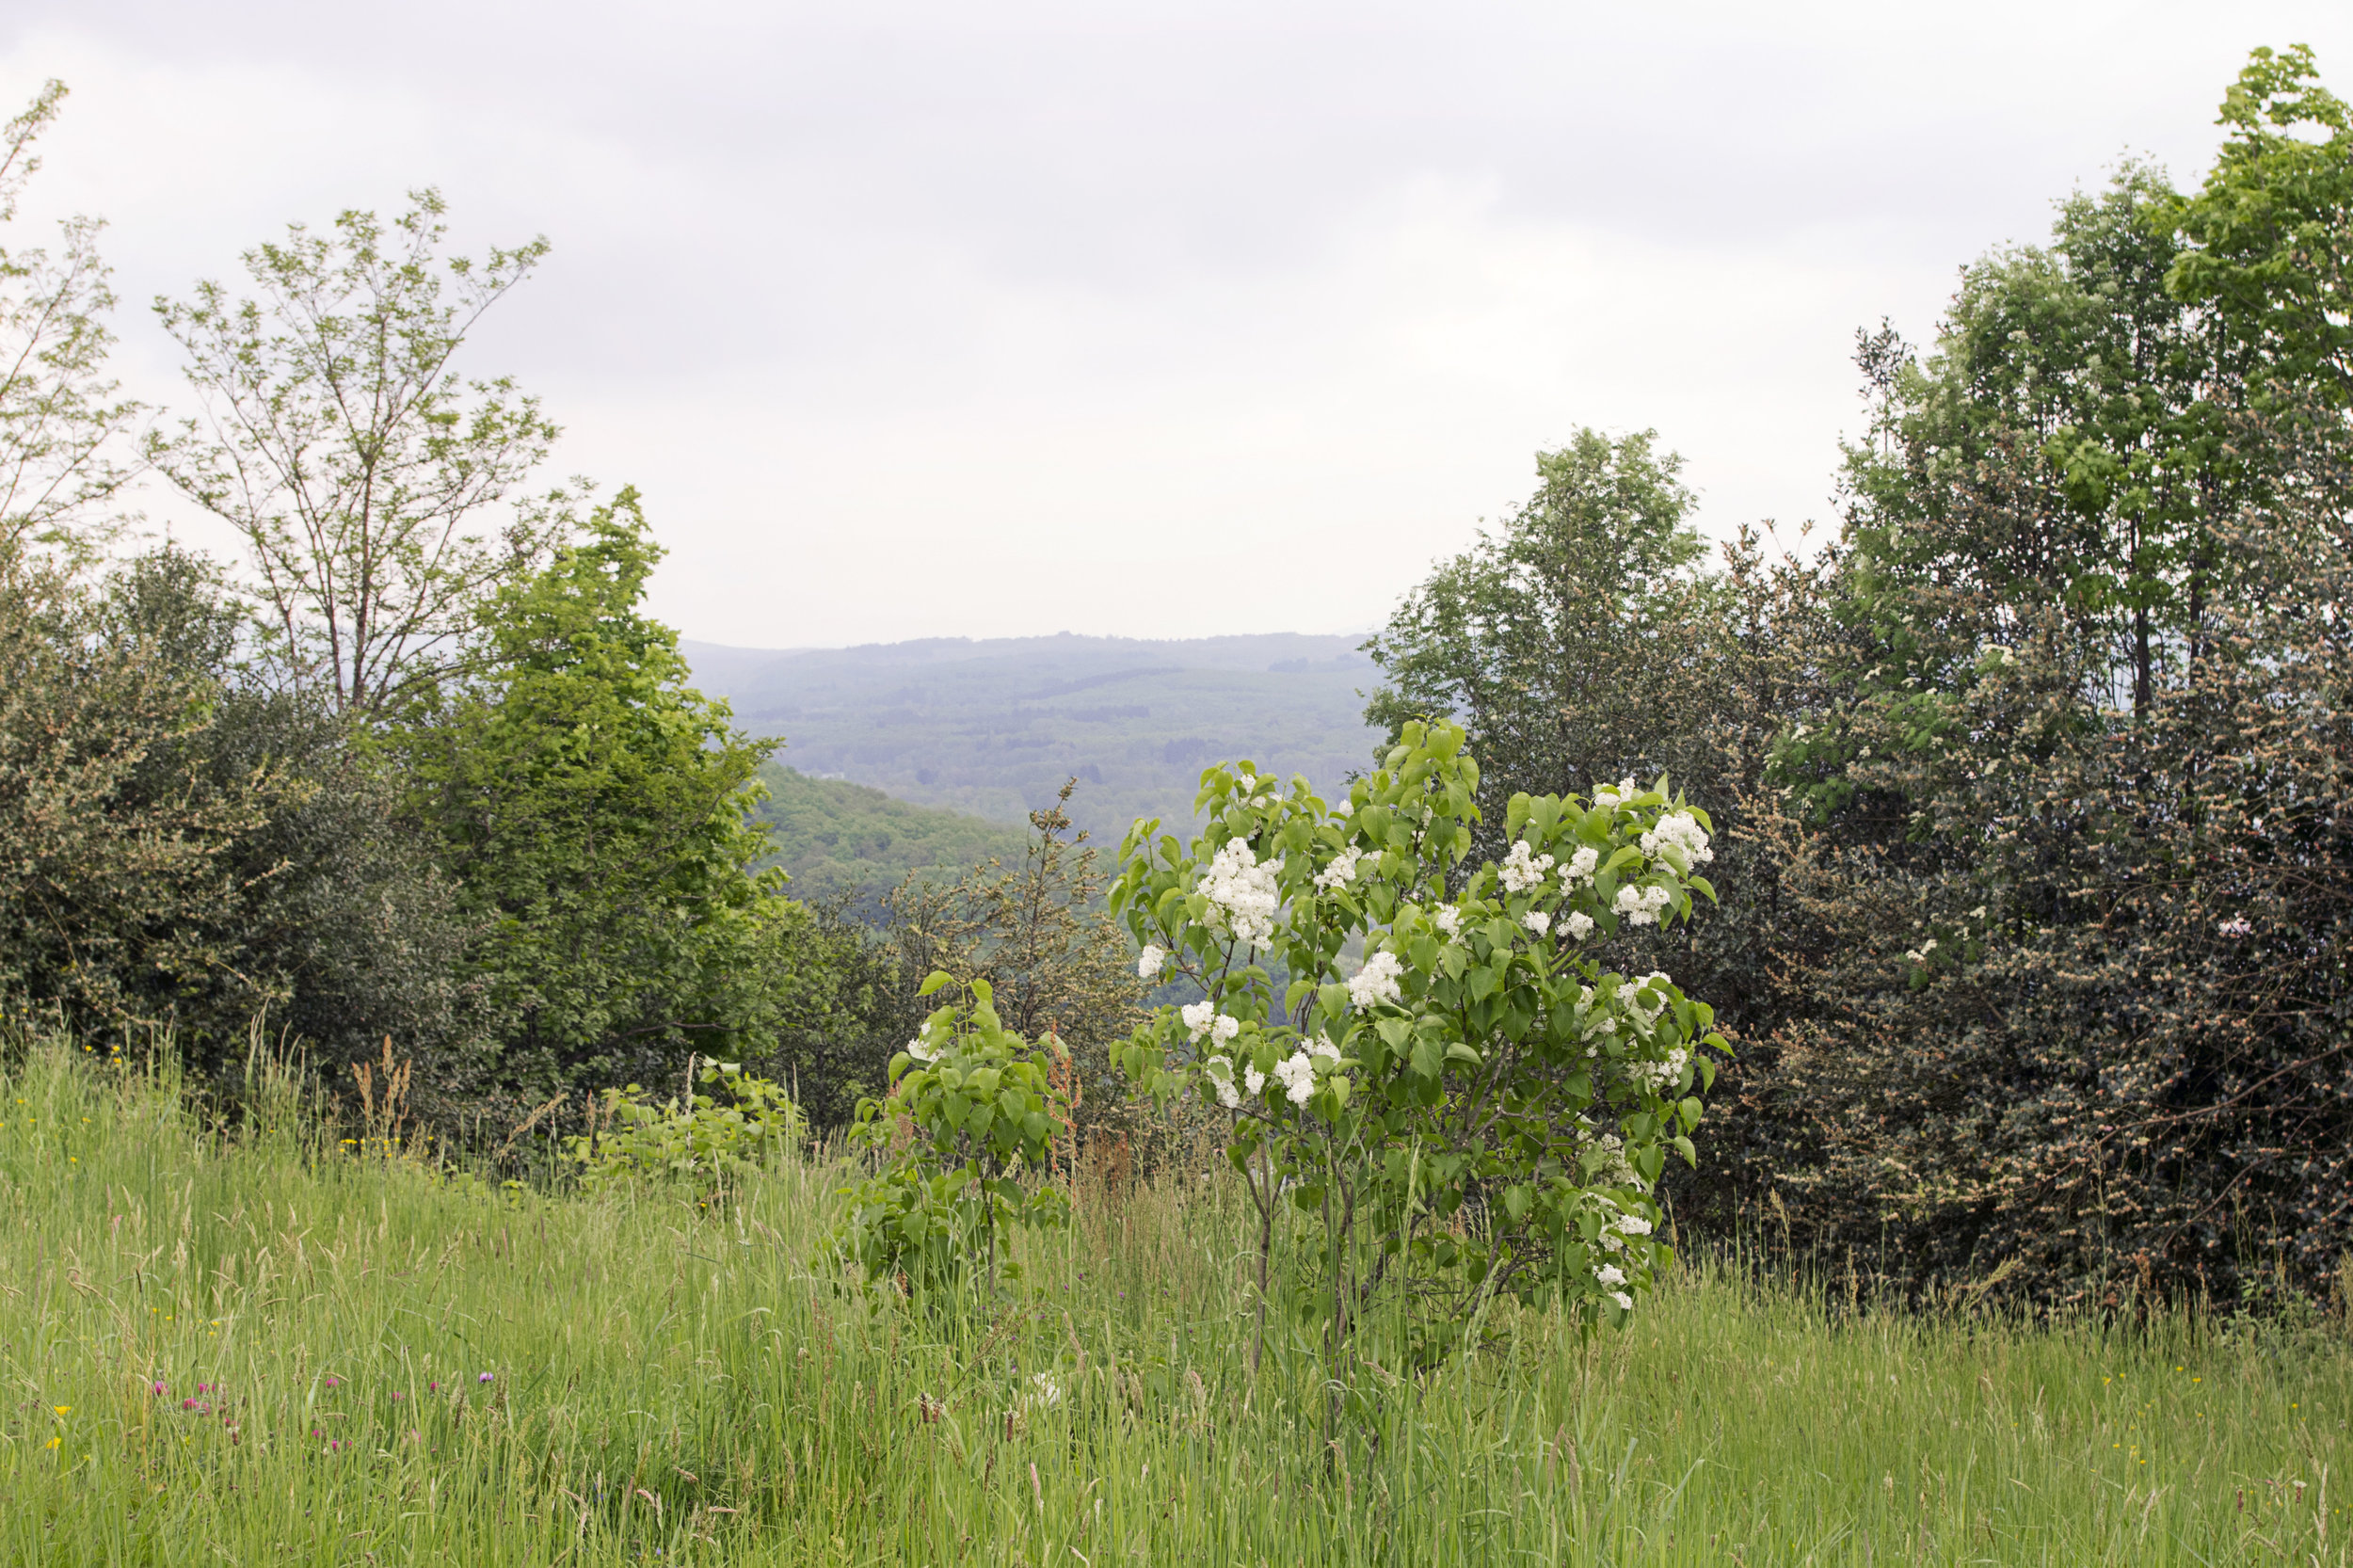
(256, 1350)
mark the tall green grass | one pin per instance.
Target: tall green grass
(251, 1350)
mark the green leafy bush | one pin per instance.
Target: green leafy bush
(704, 1139)
(1479, 1110)
(962, 1140)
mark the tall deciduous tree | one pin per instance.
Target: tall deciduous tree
(1546, 639)
(2265, 249)
(2075, 358)
(2058, 993)
(63, 430)
(377, 487)
(595, 809)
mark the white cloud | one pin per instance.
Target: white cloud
(981, 321)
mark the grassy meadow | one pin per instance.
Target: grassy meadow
(254, 1350)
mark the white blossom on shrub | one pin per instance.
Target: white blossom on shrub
(1297, 1073)
(1468, 1056)
(1341, 872)
(1521, 871)
(1243, 892)
(1204, 1019)
(1377, 982)
(1679, 831)
(1641, 905)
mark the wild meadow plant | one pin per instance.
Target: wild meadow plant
(1474, 1109)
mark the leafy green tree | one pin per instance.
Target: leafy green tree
(1584, 643)
(374, 485)
(969, 1125)
(2265, 250)
(1546, 639)
(110, 871)
(1035, 931)
(595, 813)
(62, 427)
(2055, 996)
(190, 851)
(2078, 355)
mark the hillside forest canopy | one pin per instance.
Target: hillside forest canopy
(2024, 788)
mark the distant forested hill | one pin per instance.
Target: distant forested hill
(993, 727)
(832, 834)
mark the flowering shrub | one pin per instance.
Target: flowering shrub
(966, 1131)
(1475, 1108)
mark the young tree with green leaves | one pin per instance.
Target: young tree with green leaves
(377, 487)
(2075, 355)
(64, 432)
(1478, 1109)
(595, 813)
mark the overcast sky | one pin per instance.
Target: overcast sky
(986, 319)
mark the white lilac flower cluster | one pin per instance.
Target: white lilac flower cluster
(1205, 1020)
(1341, 872)
(1377, 982)
(1523, 868)
(1641, 905)
(921, 1051)
(1241, 892)
(1148, 962)
(1613, 1235)
(1679, 831)
(1614, 1170)
(1611, 796)
(1660, 1078)
(1579, 925)
(1295, 1072)
(1220, 1072)
(1298, 1070)
(1537, 921)
(1448, 918)
(1580, 868)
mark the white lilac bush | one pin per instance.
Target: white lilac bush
(1473, 1107)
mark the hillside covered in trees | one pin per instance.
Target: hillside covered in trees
(829, 835)
(994, 728)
